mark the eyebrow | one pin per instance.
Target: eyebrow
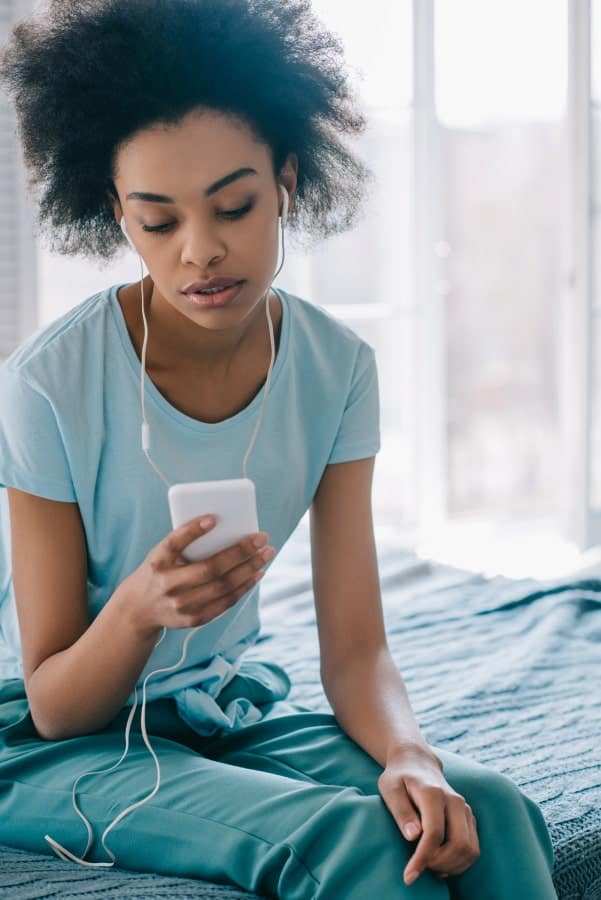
(227, 179)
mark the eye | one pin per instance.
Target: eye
(227, 214)
(237, 213)
(157, 228)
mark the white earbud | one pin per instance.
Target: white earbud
(284, 213)
(126, 233)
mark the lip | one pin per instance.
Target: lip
(196, 286)
(216, 301)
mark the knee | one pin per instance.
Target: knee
(505, 817)
(487, 790)
(500, 788)
(497, 801)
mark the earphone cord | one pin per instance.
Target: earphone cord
(145, 425)
(61, 851)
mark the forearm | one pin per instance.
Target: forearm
(371, 704)
(81, 689)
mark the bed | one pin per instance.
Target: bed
(505, 671)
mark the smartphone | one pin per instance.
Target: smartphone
(234, 504)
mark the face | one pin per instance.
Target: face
(204, 228)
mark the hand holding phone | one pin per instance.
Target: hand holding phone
(167, 592)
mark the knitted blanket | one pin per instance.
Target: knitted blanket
(504, 671)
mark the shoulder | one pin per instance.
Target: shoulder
(58, 349)
(326, 336)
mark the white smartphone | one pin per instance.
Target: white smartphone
(234, 504)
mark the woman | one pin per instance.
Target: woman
(193, 125)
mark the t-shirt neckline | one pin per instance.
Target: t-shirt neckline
(153, 394)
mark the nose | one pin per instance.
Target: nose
(202, 244)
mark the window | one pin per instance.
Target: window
(457, 272)
(500, 94)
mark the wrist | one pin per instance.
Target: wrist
(125, 600)
(400, 752)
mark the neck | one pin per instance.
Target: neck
(174, 337)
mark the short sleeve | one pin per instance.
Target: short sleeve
(32, 453)
(359, 433)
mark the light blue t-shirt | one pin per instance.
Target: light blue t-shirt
(70, 423)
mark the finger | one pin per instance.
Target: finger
(178, 539)
(461, 847)
(396, 798)
(216, 607)
(432, 807)
(219, 589)
(191, 614)
(226, 560)
(225, 570)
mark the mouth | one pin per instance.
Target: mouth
(215, 298)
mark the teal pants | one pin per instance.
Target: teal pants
(288, 807)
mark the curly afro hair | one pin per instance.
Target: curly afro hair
(87, 75)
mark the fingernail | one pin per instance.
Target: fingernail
(268, 554)
(410, 877)
(411, 831)
(260, 540)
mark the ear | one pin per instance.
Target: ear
(117, 212)
(288, 177)
(114, 201)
